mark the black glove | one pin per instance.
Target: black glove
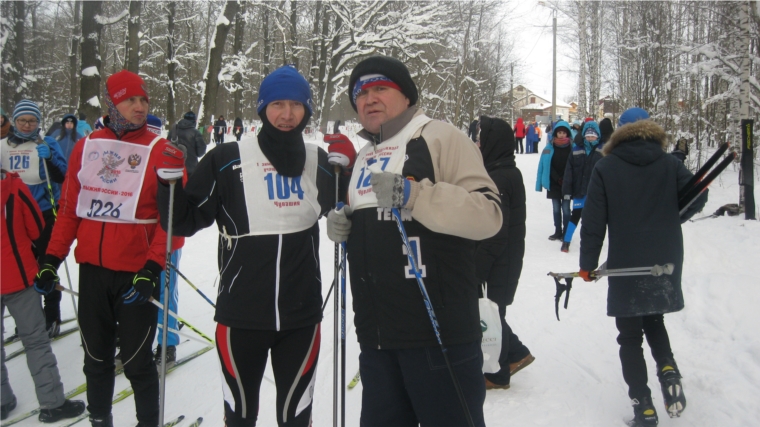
(143, 284)
(47, 278)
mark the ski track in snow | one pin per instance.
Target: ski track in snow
(576, 379)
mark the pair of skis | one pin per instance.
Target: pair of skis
(703, 178)
(62, 334)
(14, 338)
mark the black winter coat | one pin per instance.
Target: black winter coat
(220, 125)
(633, 192)
(187, 135)
(237, 128)
(499, 259)
(557, 171)
(580, 165)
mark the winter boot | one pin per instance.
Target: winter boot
(101, 421)
(494, 386)
(53, 328)
(69, 409)
(171, 357)
(520, 364)
(565, 247)
(557, 234)
(644, 414)
(7, 408)
(672, 390)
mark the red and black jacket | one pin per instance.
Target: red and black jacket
(22, 223)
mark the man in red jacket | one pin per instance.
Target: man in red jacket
(108, 203)
(22, 223)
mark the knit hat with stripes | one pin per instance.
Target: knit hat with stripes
(25, 107)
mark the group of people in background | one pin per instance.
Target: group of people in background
(531, 133)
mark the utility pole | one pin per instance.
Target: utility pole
(553, 118)
(511, 93)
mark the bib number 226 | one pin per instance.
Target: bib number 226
(98, 208)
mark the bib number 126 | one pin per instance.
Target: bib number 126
(98, 208)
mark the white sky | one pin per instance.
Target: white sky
(533, 27)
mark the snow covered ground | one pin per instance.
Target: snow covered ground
(576, 379)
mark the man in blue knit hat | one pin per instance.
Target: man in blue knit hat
(266, 198)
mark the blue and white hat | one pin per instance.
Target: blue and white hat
(154, 124)
(25, 107)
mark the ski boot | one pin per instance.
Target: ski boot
(565, 247)
(53, 328)
(69, 409)
(644, 414)
(171, 357)
(101, 421)
(672, 390)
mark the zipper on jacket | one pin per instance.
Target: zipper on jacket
(100, 245)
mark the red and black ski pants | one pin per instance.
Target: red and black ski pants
(243, 354)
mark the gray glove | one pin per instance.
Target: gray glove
(339, 224)
(392, 190)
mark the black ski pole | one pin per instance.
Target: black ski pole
(336, 170)
(701, 172)
(431, 314)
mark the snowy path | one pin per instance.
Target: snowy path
(576, 379)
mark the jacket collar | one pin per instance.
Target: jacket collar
(390, 128)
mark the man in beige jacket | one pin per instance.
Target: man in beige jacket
(434, 175)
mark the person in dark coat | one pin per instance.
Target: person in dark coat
(67, 135)
(186, 134)
(499, 259)
(220, 128)
(237, 128)
(472, 132)
(605, 126)
(633, 193)
(551, 170)
(577, 174)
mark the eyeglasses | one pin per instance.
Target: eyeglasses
(24, 122)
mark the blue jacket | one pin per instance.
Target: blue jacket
(56, 167)
(531, 135)
(543, 180)
(68, 137)
(580, 164)
(83, 128)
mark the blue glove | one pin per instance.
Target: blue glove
(143, 284)
(392, 189)
(46, 279)
(43, 151)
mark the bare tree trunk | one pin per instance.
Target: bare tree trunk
(582, 60)
(293, 33)
(211, 76)
(595, 58)
(237, 47)
(132, 56)
(267, 42)
(315, 43)
(17, 73)
(462, 69)
(320, 101)
(89, 89)
(335, 58)
(171, 71)
(75, 40)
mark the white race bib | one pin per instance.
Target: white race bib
(23, 160)
(391, 156)
(111, 177)
(278, 204)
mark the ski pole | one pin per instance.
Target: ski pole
(156, 303)
(55, 215)
(431, 314)
(336, 170)
(191, 284)
(655, 270)
(165, 324)
(343, 335)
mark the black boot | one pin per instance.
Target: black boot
(101, 421)
(565, 247)
(672, 390)
(69, 409)
(644, 414)
(557, 234)
(171, 357)
(7, 408)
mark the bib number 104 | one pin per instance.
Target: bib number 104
(98, 208)
(284, 186)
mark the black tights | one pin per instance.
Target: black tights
(632, 330)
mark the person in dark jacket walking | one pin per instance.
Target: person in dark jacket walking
(633, 193)
(266, 198)
(577, 174)
(551, 171)
(499, 259)
(220, 128)
(237, 128)
(185, 133)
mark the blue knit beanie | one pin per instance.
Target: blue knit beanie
(26, 106)
(632, 115)
(284, 83)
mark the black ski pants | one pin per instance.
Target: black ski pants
(519, 145)
(103, 315)
(243, 354)
(632, 330)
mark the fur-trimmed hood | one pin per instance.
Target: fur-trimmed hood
(642, 129)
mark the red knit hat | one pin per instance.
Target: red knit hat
(124, 85)
(588, 119)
